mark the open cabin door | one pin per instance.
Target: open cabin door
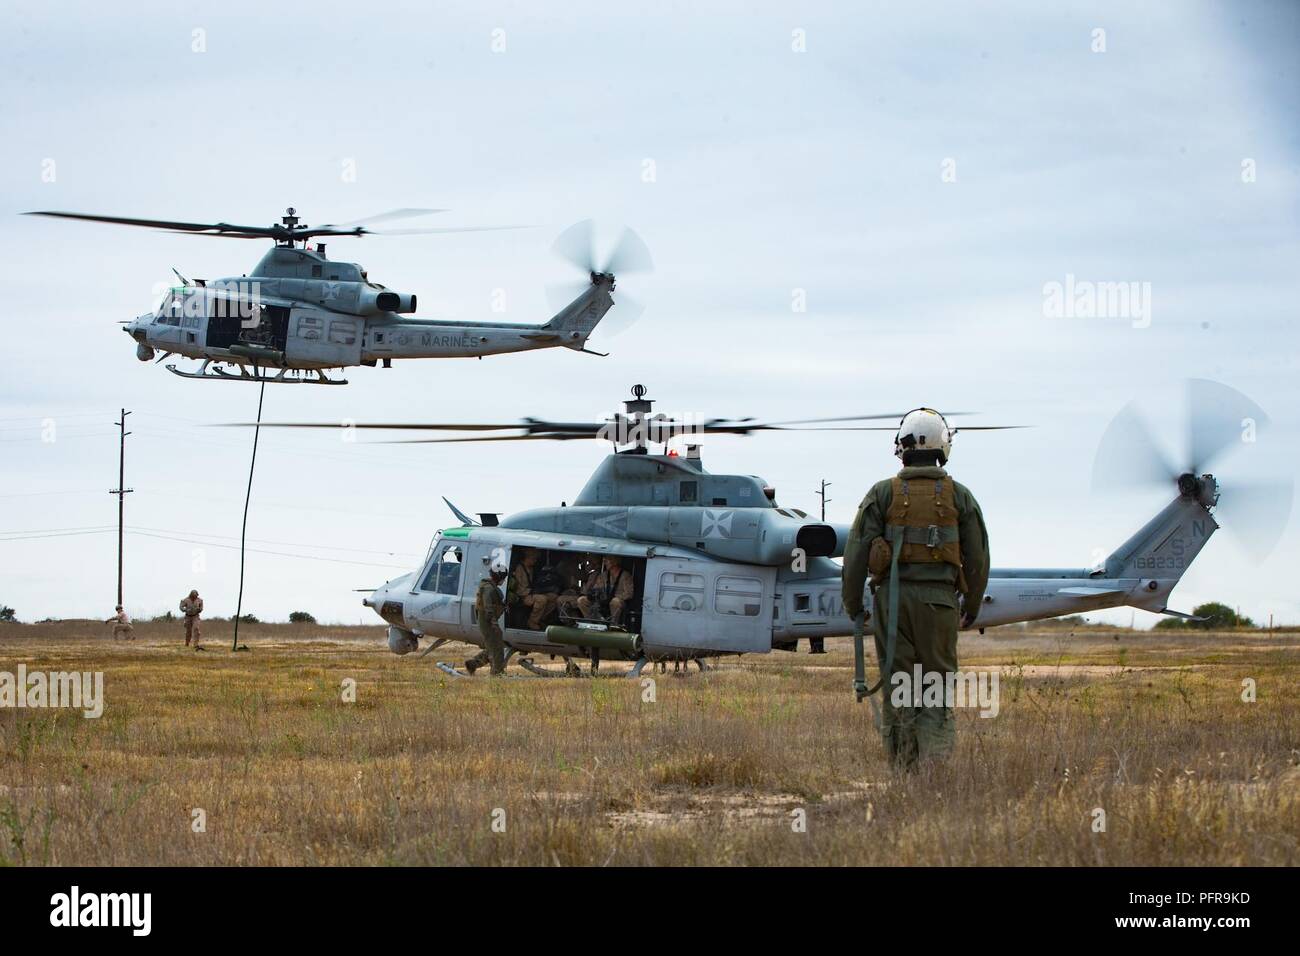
(708, 606)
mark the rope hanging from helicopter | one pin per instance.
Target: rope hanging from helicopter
(243, 529)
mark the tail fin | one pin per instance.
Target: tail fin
(577, 320)
(1161, 552)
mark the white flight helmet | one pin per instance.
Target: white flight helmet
(924, 429)
(497, 563)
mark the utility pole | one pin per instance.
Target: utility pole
(822, 494)
(121, 491)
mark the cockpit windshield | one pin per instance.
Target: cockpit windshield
(170, 309)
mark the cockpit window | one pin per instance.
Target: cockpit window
(444, 574)
(171, 309)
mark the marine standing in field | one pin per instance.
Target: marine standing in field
(921, 538)
(192, 608)
(489, 606)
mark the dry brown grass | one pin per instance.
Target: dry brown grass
(1150, 727)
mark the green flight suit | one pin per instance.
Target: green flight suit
(928, 612)
(490, 606)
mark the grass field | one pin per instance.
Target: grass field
(424, 768)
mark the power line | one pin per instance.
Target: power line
(282, 554)
(191, 536)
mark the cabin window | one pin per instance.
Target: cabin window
(309, 327)
(679, 591)
(343, 332)
(686, 492)
(444, 573)
(315, 272)
(738, 596)
(802, 602)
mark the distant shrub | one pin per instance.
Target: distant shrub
(249, 619)
(163, 618)
(1218, 617)
(8, 615)
(301, 617)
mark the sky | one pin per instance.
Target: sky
(853, 209)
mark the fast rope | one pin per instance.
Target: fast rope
(243, 530)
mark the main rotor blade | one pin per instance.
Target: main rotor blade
(860, 418)
(438, 441)
(208, 228)
(432, 232)
(399, 426)
(385, 217)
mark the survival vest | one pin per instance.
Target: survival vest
(922, 522)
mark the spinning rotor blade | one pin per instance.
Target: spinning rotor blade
(1129, 455)
(577, 245)
(1255, 513)
(653, 429)
(388, 217)
(622, 317)
(434, 231)
(279, 231)
(208, 228)
(1216, 419)
(630, 255)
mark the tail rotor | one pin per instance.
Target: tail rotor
(629, 255)
(1220, 425)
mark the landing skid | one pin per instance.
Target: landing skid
(449, 670)
(219, 374)
(527, 664)
(433, 647)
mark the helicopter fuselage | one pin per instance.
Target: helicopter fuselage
(720, 571)
(300, 311)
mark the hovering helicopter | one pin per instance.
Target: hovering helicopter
(299, 313)
(719, 567)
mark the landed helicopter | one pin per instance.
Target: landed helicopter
(298, 313)
(718, 567)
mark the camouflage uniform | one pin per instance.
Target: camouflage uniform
(490, 606)
(521, 590)
(928, 612)
(566, 602)
(122, 629)
(192, 608)
(607, 589)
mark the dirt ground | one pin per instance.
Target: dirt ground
(1109, 747)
